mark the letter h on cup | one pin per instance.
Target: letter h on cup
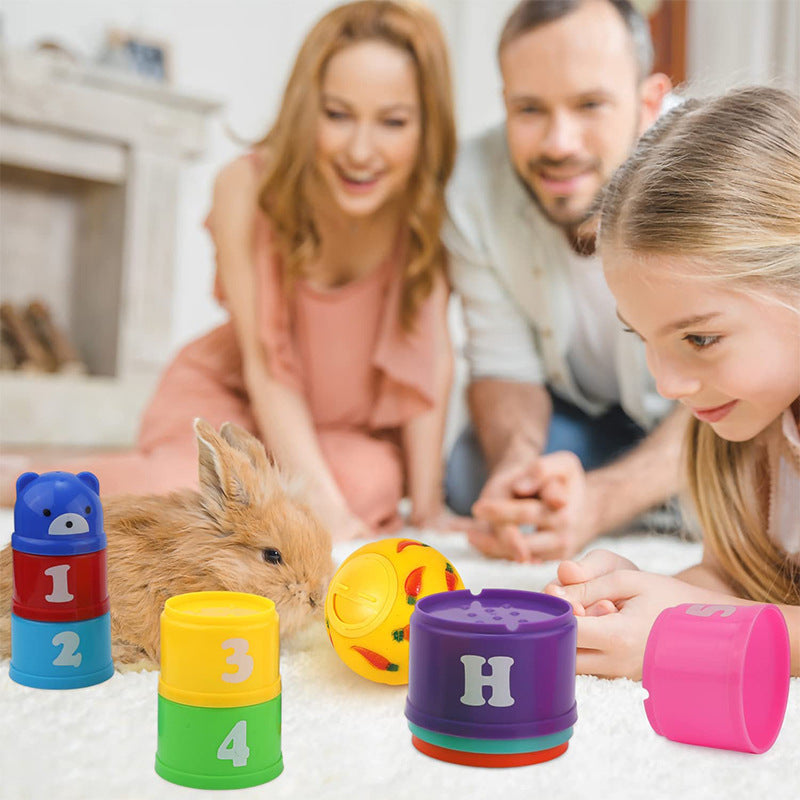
(499, 679)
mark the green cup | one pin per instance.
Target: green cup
(219, 748)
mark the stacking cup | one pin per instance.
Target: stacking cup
(498, 668)
(219, 703)
(219, 748)
(61, 655)
(718, 675)
(60, 620)
(60, 588)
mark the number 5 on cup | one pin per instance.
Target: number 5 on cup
(234, 746)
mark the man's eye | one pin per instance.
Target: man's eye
(272, 556)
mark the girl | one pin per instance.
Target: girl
(329, 262)
(700, 240)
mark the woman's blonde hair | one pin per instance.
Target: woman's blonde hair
(284, 193)
(718, 181)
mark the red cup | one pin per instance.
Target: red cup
(60, 588)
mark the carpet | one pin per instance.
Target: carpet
(346, 737)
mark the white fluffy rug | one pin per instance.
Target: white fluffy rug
(344, 737)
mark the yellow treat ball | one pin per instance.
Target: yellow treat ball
(370, 600)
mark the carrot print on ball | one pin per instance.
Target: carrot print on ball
(450, 577)
(376, 659)
(402, 634)
(403, 543)
(413, 585)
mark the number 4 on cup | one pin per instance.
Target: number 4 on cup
(234, 745)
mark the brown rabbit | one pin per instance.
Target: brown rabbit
(241, 532)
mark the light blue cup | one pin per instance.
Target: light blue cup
(61, 655)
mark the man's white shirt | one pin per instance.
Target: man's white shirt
(535, 311)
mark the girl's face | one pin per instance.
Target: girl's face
(368, 133)
(732, 358)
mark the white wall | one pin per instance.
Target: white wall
(733, 42)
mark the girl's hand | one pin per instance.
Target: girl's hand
(592, 565)
(612, 645)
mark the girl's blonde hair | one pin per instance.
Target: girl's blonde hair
(285, 190)
(719, 182)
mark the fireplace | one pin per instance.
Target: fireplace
(89, 168)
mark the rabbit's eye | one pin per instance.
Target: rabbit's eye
(272, 556)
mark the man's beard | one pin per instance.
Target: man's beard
(574, 220)
(571, 224)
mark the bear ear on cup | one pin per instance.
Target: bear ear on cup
(24, 480)
(90, 479)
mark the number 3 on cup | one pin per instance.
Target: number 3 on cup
(240, 659)
(234, 746)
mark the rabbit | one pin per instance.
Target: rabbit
(243, 531)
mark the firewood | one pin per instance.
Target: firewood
(54, 339)
(33, 356)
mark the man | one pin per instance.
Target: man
(552, 370)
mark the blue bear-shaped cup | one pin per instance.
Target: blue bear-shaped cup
(58, 513)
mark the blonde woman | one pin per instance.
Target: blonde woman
(329, 262)
(700, 240)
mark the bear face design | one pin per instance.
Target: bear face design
(58, 512)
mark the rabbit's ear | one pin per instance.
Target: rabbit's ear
(246, 443)
(219, 480)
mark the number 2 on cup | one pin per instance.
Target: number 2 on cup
(240, 659)
(234, 746)
(68, 641)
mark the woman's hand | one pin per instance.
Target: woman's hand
(616, 606)
(442, 521)
(341, 522)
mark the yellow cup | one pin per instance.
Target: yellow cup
(219, 649)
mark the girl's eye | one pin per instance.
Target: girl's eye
(394, 123)
(272, 555)
(700, 342)
(631, 330)
(331, 113)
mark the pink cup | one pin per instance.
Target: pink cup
(718, 675)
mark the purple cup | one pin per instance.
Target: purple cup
(496, 665)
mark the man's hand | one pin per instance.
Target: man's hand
(537, 511)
